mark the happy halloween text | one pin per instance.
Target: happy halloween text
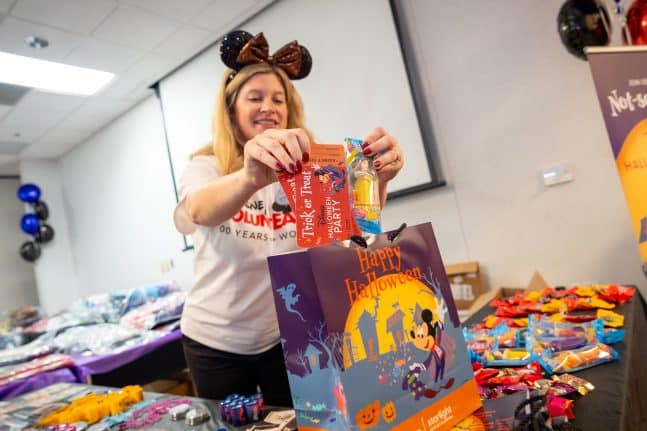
(374, 264)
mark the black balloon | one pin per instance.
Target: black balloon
(583, 23)
(41, 210)
(30, 251)
(44, 234)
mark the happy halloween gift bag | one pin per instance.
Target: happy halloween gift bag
(395, 349)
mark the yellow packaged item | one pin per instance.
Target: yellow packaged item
(611, 319)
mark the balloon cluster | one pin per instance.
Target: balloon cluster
(583, 23)
(32, 223)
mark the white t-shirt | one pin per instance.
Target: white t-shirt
(230, 306)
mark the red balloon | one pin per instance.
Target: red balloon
(637, 23)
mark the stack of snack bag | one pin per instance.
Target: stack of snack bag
(536, 339)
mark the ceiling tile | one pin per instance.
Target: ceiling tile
(37, 100)
(14, 31)
(222, 15)
(12, 133)
(136, 28)
(180, 11)
(55, 143)
(95, 113)
(136, 79)
(79, 16)
(103, 56)
(5, 5)
(184, 43)
(22, 119)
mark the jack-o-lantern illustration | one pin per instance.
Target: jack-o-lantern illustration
(369, 416)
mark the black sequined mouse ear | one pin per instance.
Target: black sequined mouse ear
(306, 63)
(231, 45)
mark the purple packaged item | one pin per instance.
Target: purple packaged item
(567, 343)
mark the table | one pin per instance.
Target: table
(616, 403)
(27, 409)
(137, 365)
(13, 389)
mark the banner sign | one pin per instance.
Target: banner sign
(620, 77)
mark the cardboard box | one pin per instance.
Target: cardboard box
(466, 282)
(179, 383)
(537, 282)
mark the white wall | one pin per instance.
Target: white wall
(54, 269)
(18, 285)
(505, 99)
(120, 196)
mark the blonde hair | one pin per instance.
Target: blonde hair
(226, 144)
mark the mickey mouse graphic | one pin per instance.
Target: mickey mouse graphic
(332, 176)
(426, 336)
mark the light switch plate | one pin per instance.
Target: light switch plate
(557, 174)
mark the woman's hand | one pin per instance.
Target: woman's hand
(274, 150)
(389, 157)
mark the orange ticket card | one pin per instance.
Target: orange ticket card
(322, 199)
(288, 184)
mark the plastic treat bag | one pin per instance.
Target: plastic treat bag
(364, 188)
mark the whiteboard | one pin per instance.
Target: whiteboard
(358, 81)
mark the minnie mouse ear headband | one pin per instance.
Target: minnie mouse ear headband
(239, 48)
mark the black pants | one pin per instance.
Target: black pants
(217, 374)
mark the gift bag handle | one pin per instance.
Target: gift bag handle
(361, 241)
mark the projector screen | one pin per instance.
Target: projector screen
(358, 81)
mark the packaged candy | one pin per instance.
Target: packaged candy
(581, 385)
(615, 294)
(545, 333)
(364, 188)
(558, 406)
(573, 318)
(588, 303)
(509, 376)
(554, 387)
(614, 320)
(582, 291)
(506, 357)
(553, 306)
(574, 360)
(611, 335)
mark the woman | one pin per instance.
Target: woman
(235, 209)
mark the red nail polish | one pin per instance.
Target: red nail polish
(364, 144)
(377, 164)
(299, 166)
(293, 168)
(279, 166)
(367, 151)
(306, 157)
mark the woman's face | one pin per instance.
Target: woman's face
(260, 105)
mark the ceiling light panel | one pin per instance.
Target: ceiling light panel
(51, 76)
